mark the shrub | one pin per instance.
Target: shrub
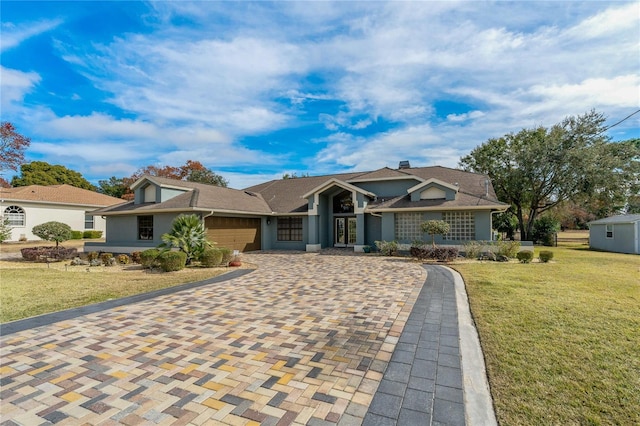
(387, 248)
(123, 259)
(148, 258)
(76, 235)
(135, 257)
(92, 256)
(46, 254)
(172, 260)
(433, 228)
(187, 234)
(227, 255)
(525, 256)
(211, 257)
(106, 258)
(473, 249)
(53, 231)
(508, 249)
(544, 230)
(5, 229)
(443, 254)
(92, 234)
(545, 256)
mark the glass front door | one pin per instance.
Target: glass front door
(345, 231)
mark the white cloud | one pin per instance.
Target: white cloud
(15, 84)
(13, 35)
(608, 22)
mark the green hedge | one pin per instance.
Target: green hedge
(545, 256)
(227, 254)
(92, 234)
(211, 257)
(172, 260)
(148, 258)
(525, 256)
(76, 235)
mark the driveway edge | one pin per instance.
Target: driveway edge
(477, 396)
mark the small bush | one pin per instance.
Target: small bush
(545, 256)
(76, 235)
(507, 249)
(227, 255)
(525, 256)
(172, 260)
(92, 234)
(473, 249)
(123, 259)
(135, 257)
(387, 248)
(148, 258)
(92, 256)
(211, 257)
(106, 258)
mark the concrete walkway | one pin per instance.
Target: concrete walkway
(317, 339)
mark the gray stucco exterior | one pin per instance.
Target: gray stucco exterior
(619, 234)
(353, 210)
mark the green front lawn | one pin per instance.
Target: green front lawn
(561, 340)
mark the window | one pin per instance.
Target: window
(88, 221)
(289, 229)
(609, 229)
(407, 226)
(145, 227)
(343, 202)
(462, 226)
(15, 215)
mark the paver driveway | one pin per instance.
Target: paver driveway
(302, 340)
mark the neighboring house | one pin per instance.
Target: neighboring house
(619, 234)
(28, 206)
(310, 213)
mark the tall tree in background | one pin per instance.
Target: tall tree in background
(192, 171)
(115, 187)
(43, 173)
(12, 149)
(537, 169)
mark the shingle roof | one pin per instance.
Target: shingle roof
(58, 194)
(283, 195)
(462, 201)
(625, 218)
(200, 197)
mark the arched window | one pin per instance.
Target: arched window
(15, 214)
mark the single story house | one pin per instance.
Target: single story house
(309, 213)
(28, 206)
(620, 234)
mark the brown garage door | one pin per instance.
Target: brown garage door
(236, 233)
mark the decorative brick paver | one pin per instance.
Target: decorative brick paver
(304, 339)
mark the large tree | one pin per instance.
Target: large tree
(192, 171)
(537, 169)
(43, 173)
(12, 147)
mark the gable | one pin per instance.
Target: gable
(433, 193)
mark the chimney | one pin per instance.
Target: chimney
(404, 165)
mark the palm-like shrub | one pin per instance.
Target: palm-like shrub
(189, 235)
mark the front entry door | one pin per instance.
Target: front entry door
(345, 231)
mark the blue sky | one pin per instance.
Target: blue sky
(254, 90)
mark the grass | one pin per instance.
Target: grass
(561, 340)
(28, 289)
